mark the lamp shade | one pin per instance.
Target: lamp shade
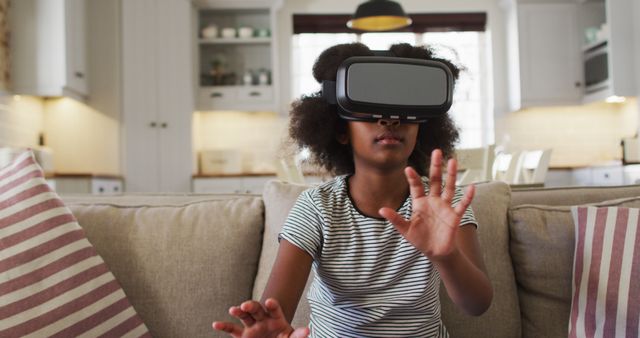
(379, 15)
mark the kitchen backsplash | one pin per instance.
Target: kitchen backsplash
(258, 136)
(21, 120)
(83, 140)
(579, 135)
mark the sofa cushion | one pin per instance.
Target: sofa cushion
(542, 250)
(279, 198)
(502, 319)
(183, 260)
(606, 272)
(52, 281)
(490, 208)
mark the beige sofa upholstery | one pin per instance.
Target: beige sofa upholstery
(184, 259)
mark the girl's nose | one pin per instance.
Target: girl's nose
(388, 123)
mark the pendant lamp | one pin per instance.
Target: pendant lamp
(379, 15)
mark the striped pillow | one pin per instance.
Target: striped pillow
(52, 281)
(606, 271)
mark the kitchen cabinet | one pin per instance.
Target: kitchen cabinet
(604, 175)
(231, 185)
(49, 48)
(236, 55)
(616, 43)
(86, 184)
(157, 95)
(544, 56)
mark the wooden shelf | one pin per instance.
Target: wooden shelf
(235, 41)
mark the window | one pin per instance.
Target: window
(466, 47)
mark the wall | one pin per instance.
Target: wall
(83, 139)
(21, 120)
(579, 135)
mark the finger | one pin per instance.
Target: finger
(229, 328)
(302, 332)
(273, 309)
(254, 309)
(466, 200)
(450, 184)
(415, 183)
(245, 318)
(435, 173)
(401, 224)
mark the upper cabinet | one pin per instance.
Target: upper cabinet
(608, 48)
(544, 55)
(569, 53)
(48, 48)
(236, 55)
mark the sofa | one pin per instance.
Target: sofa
(184, 259)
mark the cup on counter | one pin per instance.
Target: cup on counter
(245, 32)
(228, 32)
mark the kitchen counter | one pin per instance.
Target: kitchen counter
(83, 175)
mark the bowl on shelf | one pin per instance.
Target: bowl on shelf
(228, 32)
(210, 32)
(245, 32)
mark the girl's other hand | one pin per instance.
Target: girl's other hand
(260, 321)
(434, 221)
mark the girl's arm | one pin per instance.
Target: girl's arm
(464, 275)
(288, 277)
(272, 315)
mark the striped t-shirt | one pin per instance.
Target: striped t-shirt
(369, 281)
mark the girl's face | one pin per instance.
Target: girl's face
(382, 145)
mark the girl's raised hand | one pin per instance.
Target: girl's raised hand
(434, 221)
(259, 321)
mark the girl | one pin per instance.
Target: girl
(380, 236)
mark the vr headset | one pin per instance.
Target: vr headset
(369, 88)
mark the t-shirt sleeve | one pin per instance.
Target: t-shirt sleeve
(468, 217)
(303, 226)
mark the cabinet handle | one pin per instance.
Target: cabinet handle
(578, 84)
(254, 94)
(215, 94)
(79, 75)
(606, 175)
(101, 189)
(153, 124)
(164, 124)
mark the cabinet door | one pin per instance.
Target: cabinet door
(550, 59)
(608, 176)
(140, 132)
(157, 95)
(76, 46)
(175, 94)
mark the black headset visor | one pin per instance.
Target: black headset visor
(370, 88)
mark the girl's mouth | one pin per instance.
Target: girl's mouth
(388, 138)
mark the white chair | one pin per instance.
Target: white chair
(474, 164)
(288, 170)
(534, 166)
(506, 167)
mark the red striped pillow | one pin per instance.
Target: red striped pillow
(52, 281)
(606, 273)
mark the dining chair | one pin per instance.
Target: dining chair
(474, 164)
